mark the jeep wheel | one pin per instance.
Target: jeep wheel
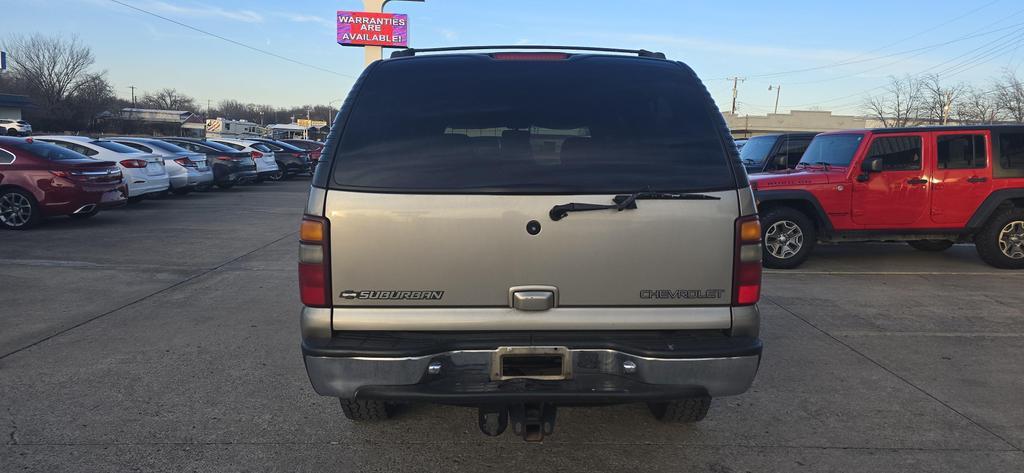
(366, 410)
(930, 245)
(1000, 242)
(788, 237)
(685, 410)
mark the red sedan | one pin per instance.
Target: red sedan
(40, 180)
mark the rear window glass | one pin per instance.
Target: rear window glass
(588, 124)
(261, 147)
(284, 146)
(115, 147)
(961, 152)
(168, 147)
(47, 151)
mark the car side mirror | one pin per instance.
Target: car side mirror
(872, 165)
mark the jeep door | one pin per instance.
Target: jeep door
(898, 195)
(962, 176)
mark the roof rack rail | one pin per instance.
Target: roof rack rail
(639, 52)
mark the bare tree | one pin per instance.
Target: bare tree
(95, 96)
(900, 105)
(50, 68)
(976, 107)
(938, 99)
(1009, 94)
(168, 99)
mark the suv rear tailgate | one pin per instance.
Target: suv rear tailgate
(470, 250)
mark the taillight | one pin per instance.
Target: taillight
(256, 155)
(314, 262)
(134, 163)
(186, 162)
(746, 286)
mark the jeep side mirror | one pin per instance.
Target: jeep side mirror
(872, 164)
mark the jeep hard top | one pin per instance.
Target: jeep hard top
(929, 186)
(520, 230)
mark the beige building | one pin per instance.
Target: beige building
(746, 126)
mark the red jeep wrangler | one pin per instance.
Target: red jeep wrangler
(930, 187)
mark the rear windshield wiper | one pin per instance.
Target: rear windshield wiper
(623, 202)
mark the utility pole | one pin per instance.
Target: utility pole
(778, 91)
(735, 91)
(207, 108)
(374, 53)
(133, 95)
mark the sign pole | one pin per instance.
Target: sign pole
(373, 53)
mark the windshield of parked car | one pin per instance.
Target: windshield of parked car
(115, 147)
(47, 151)
(833, 150)
(584, 124)
(756, 149)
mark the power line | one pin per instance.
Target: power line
(237, 43)
(975, 34)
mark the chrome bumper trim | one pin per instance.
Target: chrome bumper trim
(344, 376)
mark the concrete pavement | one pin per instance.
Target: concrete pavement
(164, 337)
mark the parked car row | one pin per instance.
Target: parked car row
(54, 175)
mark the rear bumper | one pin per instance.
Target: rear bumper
(668, 365)
(599, 376)
(140, 184)
(191, 178)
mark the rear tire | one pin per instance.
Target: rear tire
(366, 410)
(1000, 242)
(787, 236)
(930, 245)
(280, 175)
(683, 411)
(12, 132)
(18, 209)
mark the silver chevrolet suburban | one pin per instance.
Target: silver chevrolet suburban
(521, 230)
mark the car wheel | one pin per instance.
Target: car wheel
(787, 236)
(18, 209)
(685, 410)
(1000, 242)
(366, 410)
(930, 245)
(280, 174)
(12, 132)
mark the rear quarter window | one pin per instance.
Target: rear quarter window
(1010, 149)
(588, 124)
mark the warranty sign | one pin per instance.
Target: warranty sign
(357, 28)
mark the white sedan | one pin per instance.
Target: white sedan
(143, 173)
(266, 163)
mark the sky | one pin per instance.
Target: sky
(824, 55)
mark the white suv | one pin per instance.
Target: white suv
(11, 127)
